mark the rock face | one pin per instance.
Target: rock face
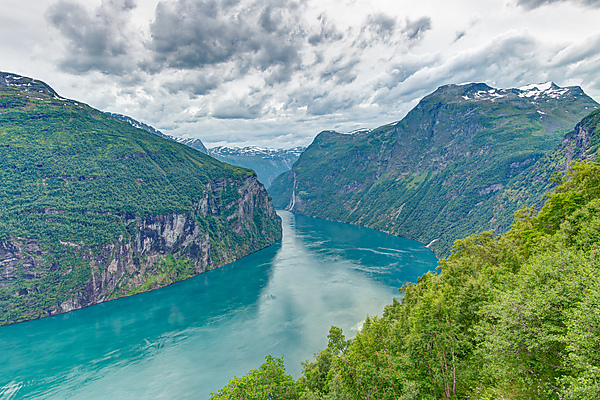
(439, 172)
(159, 250)
(583, 143)
(92, 208)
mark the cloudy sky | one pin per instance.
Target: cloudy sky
(275, 73)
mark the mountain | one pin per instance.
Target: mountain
(438, 174)
(268, 163)
(191, 142)
(194, 143)
(140, 125)
(92, 208)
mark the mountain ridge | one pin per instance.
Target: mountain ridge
(268, 163)
(424, 176)
(194, 143)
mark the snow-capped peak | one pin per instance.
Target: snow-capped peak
(548, 89)
(249, 151)
(540, 87)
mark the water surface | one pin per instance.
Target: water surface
(190, 338)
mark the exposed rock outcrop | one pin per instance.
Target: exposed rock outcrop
(157, 251)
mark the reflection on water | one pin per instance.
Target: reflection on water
(190, 338)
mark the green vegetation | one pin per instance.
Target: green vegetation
(169, 270)
(269, 381)
(513, 316)
(459, 162)
(77, 183)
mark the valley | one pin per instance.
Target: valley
(99, 207)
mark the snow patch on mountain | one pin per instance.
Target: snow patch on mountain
(536, 91)
(537, 86)
(491, 94)
(548, 89)
(253, 151)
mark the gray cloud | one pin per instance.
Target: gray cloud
(232, 109)
(193, 34)
(531, 4)
(328, 32)
(382, 28)
(329, 104)
(382, 25)
(321, 102)
(577, 52)
(509, 58)
(460, 35)
(226, 70)
(403, 70)
(194, 85)
(341, 71)
(98, 41)
(269, 22)
(414, 30)
(579, 61)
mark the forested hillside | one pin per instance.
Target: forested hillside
(92, 208)
(450, 167)
(513, 316)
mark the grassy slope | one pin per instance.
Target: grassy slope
(62, 156)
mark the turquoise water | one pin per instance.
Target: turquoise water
(190, 338)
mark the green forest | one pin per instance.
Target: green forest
(511, 316)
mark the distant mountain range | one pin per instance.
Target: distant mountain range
(266, 162)
(463, 160)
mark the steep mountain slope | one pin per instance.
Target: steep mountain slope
(194, 143)
(268, 163)
(434, 175)
(511, 316)
(528, 188)
(92, 208)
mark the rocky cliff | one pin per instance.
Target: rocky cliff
(156, 251)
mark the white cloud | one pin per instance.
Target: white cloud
(251, 71)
